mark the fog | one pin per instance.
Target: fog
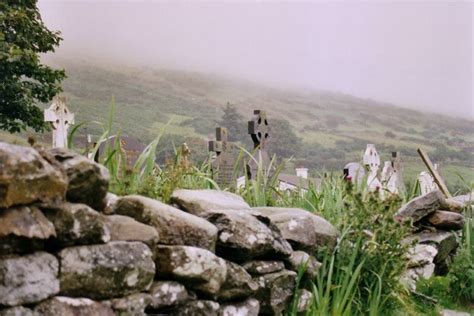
(414, 54)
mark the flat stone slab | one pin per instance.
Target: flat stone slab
(445, 242)
(198, 202)
(133, 305)
(23, 229)
(174, 226)
(168, 293)
(28, 279)
(61, 305)
(421, 206)
(112, 270)
(198, 308)
(198, 268)
(26, 177)
(238, 284)
(243, 236)
(302, 229)
(124, 228)
(421, 254)
(249, 307)
(259, 267)
(17, 311)
(446, 220)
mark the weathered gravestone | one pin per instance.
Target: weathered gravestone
(354, 172)
(60, 118)
(427, 183)
(372, 164)
(392, 174)
(259, 130)
(223, 165)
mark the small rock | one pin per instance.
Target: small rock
(304, 300)
(275, 291)
(198, 268)
(238, 284)
(299, 259)
(132, 305)
(446, 220)
(445, 242)
(67, 306)
(127, 229)
(302, 229)
(109, 202)
(174, 226)
(23, 229)
(28, 279)
(259, 267)
(26, 177)
(198, 202)
(421, 206)
(412, 275)
(449, 312)
(249, 307)
(115, 269)
(167, 293)
(88, 181)
(17, 311)
(243, 236)
(421, 255)
(198, 308)
(76, 224)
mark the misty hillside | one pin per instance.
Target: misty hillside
(333, 127)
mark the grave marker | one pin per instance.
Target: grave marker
(259, 130)
(392, 174)
(60, 118)
(223, 165)
(434, 173)
(372, 163)
(354, 172)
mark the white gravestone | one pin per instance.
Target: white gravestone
(354, 172)
(427, 183)
(392, 174)
(60, 119)
(372, 163)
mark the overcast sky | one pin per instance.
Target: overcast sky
(416, 54)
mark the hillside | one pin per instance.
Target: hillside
(333, 127)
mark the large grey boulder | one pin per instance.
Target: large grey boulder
(76, 224)
(26, 177)
(446, 220)
(28, 279)
(198, 268)
(300, 259)
(67, 306)
(23, 229)
(249, 307)
(198, 308)
(302, 229)
(243, 236)
(238, 284)
(198, 202)
(167, 293)
(17, 311)
(132, 305)
(445, 242)
(88, 181)
(275, 291)
(127, 229)
(106, 271)
(259, 267)
(174, 226)
(421, 206)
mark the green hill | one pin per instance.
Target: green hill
(333, 127)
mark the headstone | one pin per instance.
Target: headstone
(372, 164)
(259, 130)
(223, 165)
(391, 176)
(427, 182)
(60, 119)
(354, 172)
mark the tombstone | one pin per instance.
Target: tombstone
(354, 172)
(223, 165)
(427, 182)
(60, 118)
(372, 164)
(391, 176)
(259, 130)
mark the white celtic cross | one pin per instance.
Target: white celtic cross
(372, 162)
(60, 118)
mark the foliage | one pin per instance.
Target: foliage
(25, 81)
(235, 123)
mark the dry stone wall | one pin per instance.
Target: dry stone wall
(68, 247)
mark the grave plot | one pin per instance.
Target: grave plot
(60, 118)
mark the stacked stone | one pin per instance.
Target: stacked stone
(436, 222)
(68, 247)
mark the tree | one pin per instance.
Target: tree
(283, 140)
(235, 124)
(24, 81)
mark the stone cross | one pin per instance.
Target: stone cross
(259, 130)
(372, 163)
(426, 180)
(223, 165)
(392, 174)
(60, 119)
